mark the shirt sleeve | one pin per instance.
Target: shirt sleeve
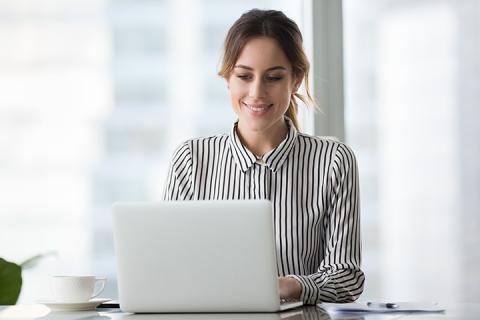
(178, 186)
(339, 277)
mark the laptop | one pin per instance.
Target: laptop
(196, 256)
(295, 314)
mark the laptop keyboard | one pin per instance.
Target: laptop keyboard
(284, 301)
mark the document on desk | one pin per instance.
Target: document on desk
(384, 307)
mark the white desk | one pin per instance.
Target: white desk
(460, 311)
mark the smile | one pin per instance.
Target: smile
(257, 109)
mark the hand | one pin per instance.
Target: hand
(290, 288)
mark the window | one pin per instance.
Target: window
(411, 83)
(93, 103)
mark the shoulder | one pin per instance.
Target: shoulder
(330, 146)
(218, 138)
(200, 143)
(323, 141)
(194, 146)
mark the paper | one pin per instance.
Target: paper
(363, 307)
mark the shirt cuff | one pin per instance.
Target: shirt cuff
(309, 289)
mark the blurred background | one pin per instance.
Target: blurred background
(96, 94)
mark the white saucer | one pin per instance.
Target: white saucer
(74, 306)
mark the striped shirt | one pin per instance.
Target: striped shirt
(312, 183)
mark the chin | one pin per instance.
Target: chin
(257, 124)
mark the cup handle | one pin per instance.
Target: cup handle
(99, 290)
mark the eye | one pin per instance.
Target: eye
(244, 77)
(273, 78)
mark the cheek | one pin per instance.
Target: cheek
(237, 90)
(282, 93)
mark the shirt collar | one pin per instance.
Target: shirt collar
(273, 159)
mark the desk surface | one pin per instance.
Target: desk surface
(459, 311)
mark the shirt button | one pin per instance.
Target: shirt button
(261, 162)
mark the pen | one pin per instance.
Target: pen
(387, 305)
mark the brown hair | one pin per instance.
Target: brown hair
(276, 25)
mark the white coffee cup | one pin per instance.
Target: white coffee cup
(74, 289)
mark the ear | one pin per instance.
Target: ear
(297, 82)
(227, 80)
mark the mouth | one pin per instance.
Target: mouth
(257, 109)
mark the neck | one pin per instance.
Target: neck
(264, 141)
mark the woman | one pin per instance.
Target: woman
(311, 181)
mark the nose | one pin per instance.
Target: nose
(257, 89)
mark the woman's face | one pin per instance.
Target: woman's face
(261, 85)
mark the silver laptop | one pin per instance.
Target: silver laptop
(196, 256)
(296, 314)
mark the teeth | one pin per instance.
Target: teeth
(256, 109)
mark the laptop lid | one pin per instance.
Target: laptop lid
(196, 256)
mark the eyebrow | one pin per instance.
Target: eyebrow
(269, 69)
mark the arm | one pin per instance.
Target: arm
(339, 278)
(178, 186)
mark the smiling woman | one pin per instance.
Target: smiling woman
(312, 182)
(261, 86)
(274, 41)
